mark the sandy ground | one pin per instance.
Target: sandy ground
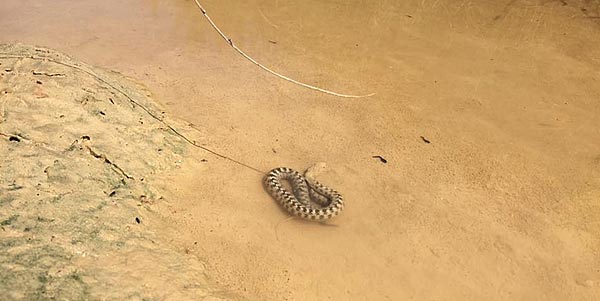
(77, 213)
(501, 203)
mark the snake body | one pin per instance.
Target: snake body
(309, 199)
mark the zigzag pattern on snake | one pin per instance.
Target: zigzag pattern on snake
(308, 200)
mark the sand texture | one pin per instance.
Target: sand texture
(74, 203)
(473, 173)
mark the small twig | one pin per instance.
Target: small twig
(47, 74)
(107, 161)
(230, 42)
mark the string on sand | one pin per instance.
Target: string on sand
(230, 42)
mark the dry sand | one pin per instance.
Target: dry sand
(501, 204)
(77, 206)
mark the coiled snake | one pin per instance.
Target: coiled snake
(309, 199)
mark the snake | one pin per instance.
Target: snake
(308, 199)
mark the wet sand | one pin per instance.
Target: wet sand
(487, 115)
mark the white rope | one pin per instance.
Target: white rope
(230, 42)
